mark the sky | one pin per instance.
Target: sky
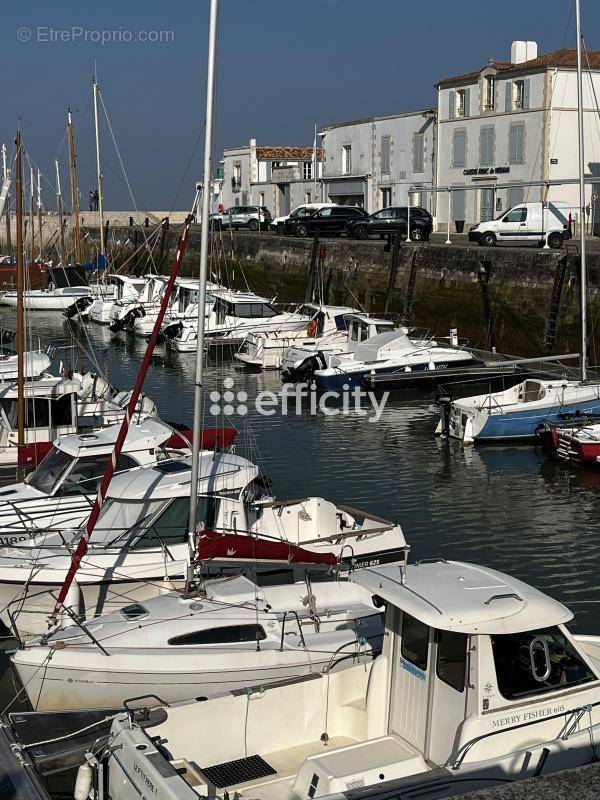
(283, 66)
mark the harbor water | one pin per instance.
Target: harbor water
(512, 508)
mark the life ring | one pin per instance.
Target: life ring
(312, 328)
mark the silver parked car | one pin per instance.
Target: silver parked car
(251, 217)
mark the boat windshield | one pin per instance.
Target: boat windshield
(537, 662)
(50, 471)
(119, 516)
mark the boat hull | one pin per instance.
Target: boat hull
(333, 379)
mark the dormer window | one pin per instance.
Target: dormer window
(489, 93)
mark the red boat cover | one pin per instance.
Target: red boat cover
(252, 548)
(212, 438)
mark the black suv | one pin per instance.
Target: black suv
(329, 220)
(393, 219)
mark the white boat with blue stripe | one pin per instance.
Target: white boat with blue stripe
(516, 413)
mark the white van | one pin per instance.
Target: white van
(302, 211)
(527, 222)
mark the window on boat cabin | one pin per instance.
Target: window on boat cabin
(536, 662)
(37, 413)
(87, 473)
(384, 328)
(415, 641)
(253, 310)
(452, 658)
(170, 526)
(228, 634)
(61, 410)
(49, 471)
(119, 518)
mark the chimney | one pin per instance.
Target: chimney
(523, 51)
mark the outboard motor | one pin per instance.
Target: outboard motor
(78, 307)
(169, 332)
(304, 371)
(126, 319)
(444, 401)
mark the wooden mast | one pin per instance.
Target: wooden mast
(20, 309)
(59, 209)
(74, 188)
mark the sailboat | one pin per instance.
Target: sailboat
(518, 412)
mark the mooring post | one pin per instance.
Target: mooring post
(310, 284)
(394, 261)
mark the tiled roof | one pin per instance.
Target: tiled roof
(558, 58)
(288, 153)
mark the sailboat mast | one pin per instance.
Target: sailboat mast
(59, 209)
(74, 188)
(5, 175)
(198, 391)
(582, 246)
(31, 227)
(98, 170)
(39, 211)
(20, 309)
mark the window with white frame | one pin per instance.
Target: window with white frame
(489, 93)
(307, 170)
(347, 159)
(236, 180)
(460, 103)
(518, 92)
(385, 155)
(418, 152)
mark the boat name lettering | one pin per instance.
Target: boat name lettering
(145, 778)
(528, 716)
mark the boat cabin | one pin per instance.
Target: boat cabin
(325, 319)
(362, 327)
(479, 680)
(233, 306)
(127, 287)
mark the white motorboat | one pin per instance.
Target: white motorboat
(388, 354)
(267, 350)
(479, 682)
(123, 311)
(59, 493)
(37, 363)
(518, 412)
(56, 299)
(183, 306)
(126, 290)
(234, 634)
(140, 546)
(233, 316)
(56, 407)
(301, 359)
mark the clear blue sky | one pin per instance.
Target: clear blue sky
(283, 66)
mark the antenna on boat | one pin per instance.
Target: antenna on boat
(583, 279)
(39, 211)
(74, 188)
(198, 388)
(31, 227)
(5, 187)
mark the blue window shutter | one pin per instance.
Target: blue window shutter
(451, 104)
(467, 102)
(526, 84)
(508, 89)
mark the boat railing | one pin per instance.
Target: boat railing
(300, 631)
(573, 716)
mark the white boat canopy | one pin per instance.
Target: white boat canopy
(454, 596)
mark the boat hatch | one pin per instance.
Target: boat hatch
(168, 467)
(134, 611)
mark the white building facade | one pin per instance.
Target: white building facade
(507, 134)
(280, 178)
(377, 162)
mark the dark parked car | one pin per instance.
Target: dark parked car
(251, 217)
(393, 220)
(330, 220)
